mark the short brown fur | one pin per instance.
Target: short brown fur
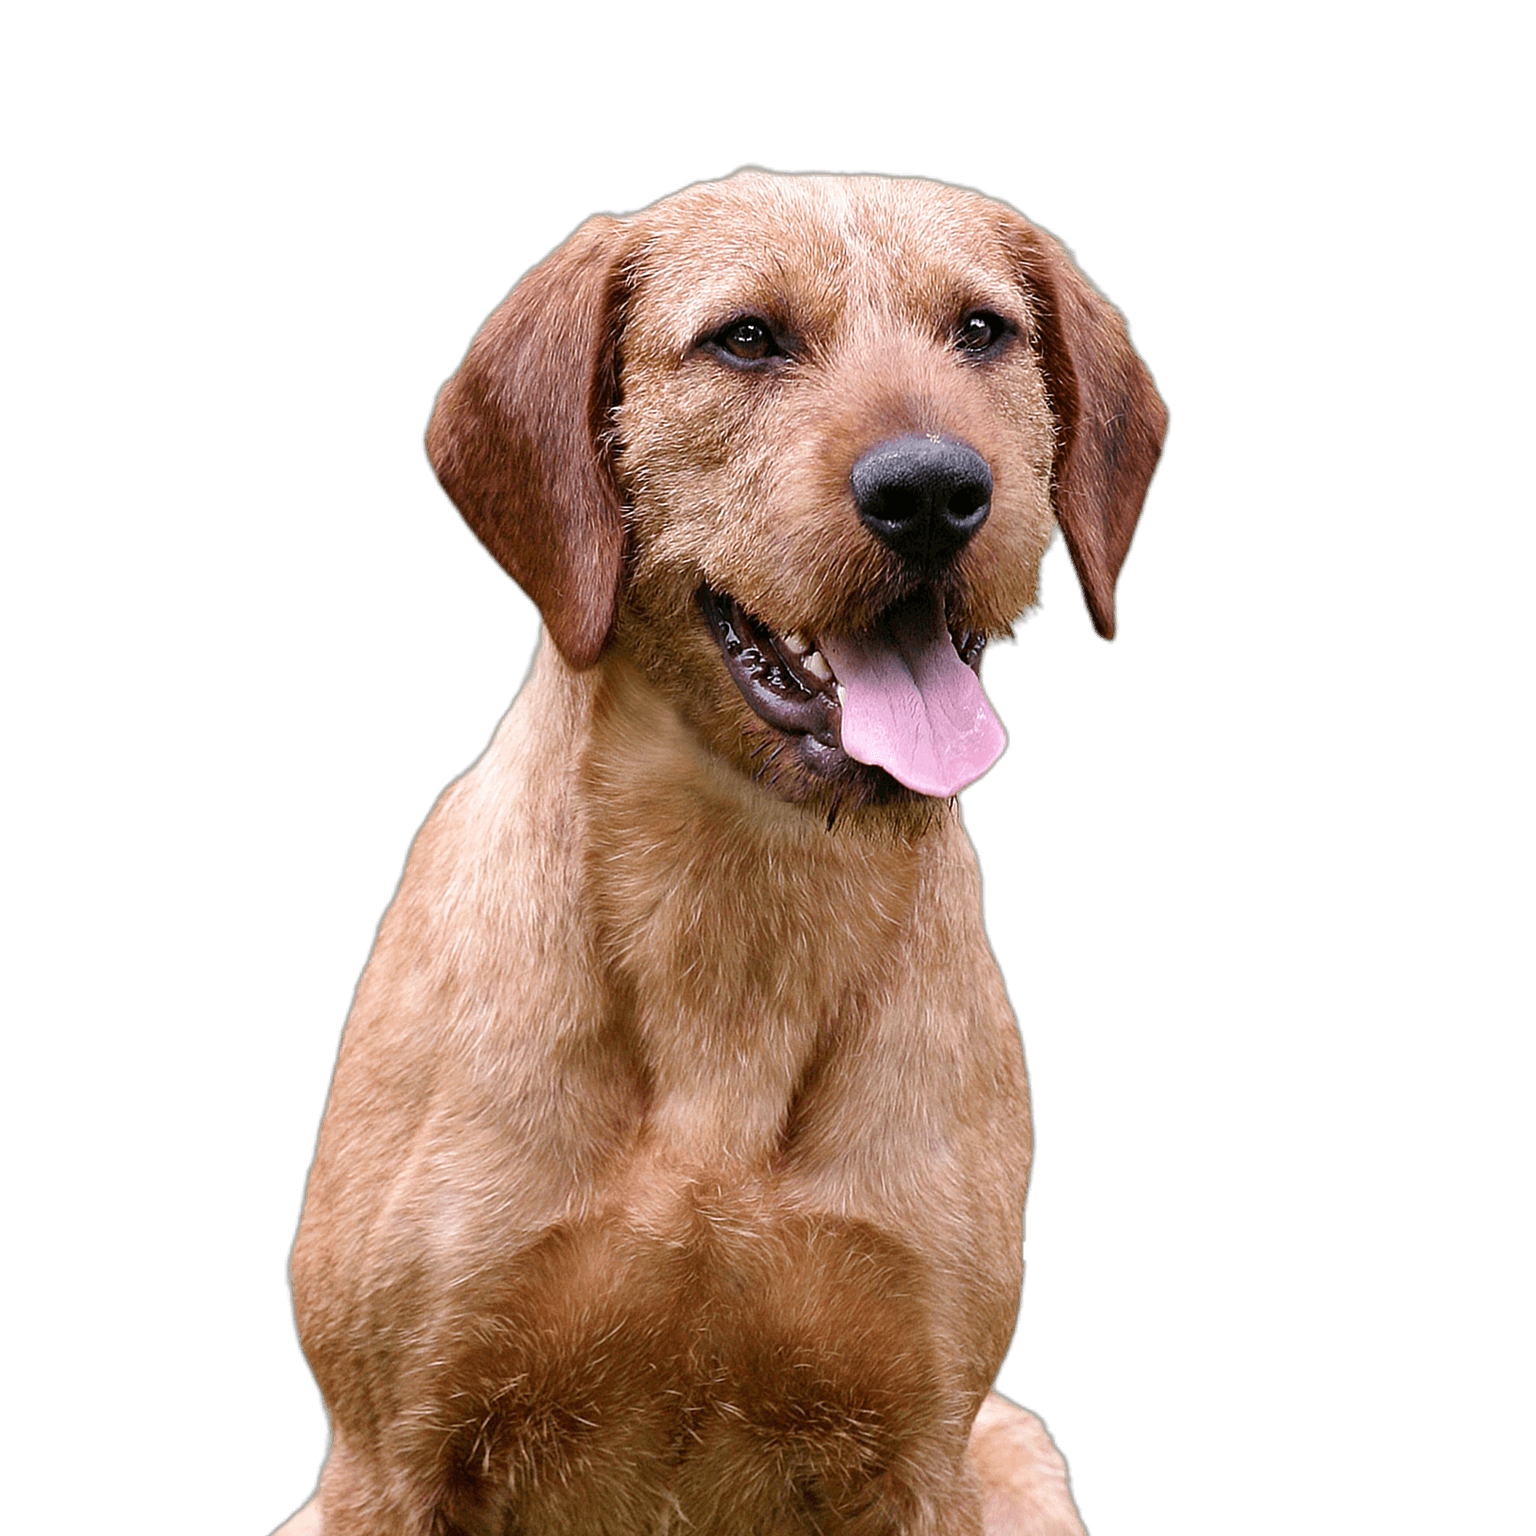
(674, 1167)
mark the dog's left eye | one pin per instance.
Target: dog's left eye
(980, 331)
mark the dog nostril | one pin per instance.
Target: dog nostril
(922, 496)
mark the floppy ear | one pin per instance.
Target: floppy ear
(517, 438)
(1110, 416)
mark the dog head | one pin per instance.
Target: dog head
(795, 446)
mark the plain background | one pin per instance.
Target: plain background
(1258, 873)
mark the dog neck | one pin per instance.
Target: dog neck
(741, 930)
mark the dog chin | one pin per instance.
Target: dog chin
(804, 771)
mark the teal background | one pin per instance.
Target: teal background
(1257, 873)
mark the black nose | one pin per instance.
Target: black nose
(923, 496)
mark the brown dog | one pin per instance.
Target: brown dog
(673, 1174)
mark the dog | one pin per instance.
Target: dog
(673, 1173)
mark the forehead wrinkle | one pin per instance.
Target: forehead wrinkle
(806, 288)
(931, 297)
(917, 257)
(818, 254)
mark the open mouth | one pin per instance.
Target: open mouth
(903, 695)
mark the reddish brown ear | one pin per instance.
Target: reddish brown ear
(1110, 416)
(516, 438)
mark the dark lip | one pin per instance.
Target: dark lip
(779, 691)
(768, 676)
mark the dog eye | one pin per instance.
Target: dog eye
(748, 340)
(980, 331)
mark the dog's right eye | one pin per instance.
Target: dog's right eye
(980, 331)
(748, 340)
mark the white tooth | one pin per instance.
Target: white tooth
(842, 694)
(816, 665)
(797, 642)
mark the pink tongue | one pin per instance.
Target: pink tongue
(911, 705)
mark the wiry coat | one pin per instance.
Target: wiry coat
(674, 1167)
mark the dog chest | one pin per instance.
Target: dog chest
(652, 1359)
